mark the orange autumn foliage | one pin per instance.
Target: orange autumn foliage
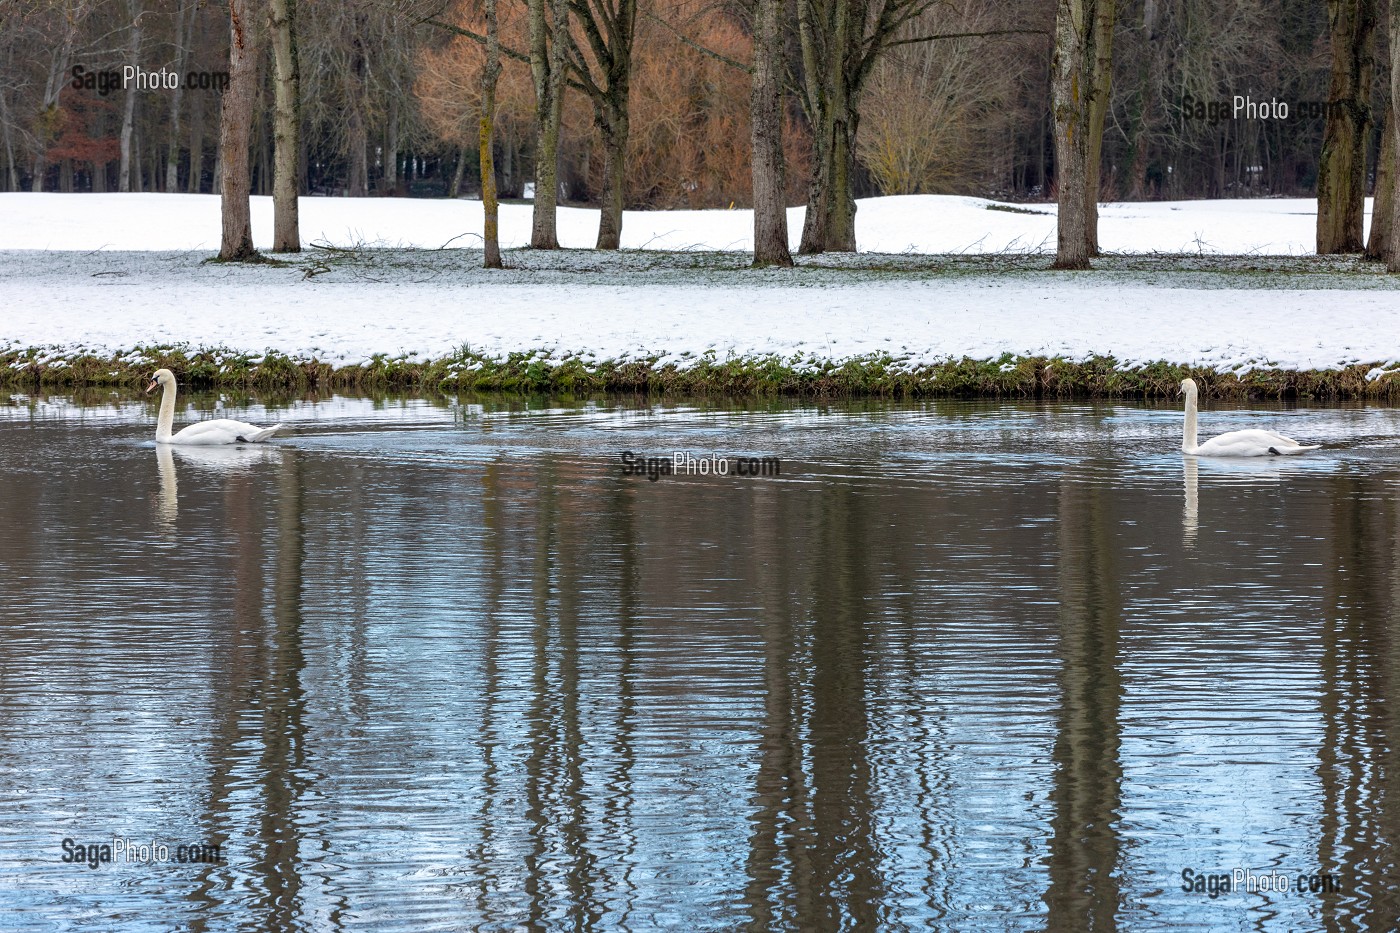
(689, 144)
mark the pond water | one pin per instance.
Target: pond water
(438, 665)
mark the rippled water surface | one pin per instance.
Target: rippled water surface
(431, 665)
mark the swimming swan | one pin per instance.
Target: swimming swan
(217, 431)
(1251, 443)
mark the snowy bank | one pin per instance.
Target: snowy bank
(344, 309)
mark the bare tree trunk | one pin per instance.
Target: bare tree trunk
(184, 29)
(1149, 86)
(770, 232)
(356, 131)
(456, 189)
(11, 170)
(391, 153)
(1077, 38)
(1392, 262)
(133, 57)
(357, 141)
(830, 223)
(286, 121)
(615, 129)
(609, 28)
(11, 167)
(1341, 177)
(489, 76)
(1098, 114)
(53, 87)
(548, 42)
(137, 183)
(195, 183)
(1378, 245)
(235, 131)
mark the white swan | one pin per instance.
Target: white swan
(217, 431)
(1251, 443)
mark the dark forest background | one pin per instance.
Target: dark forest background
(390, 103)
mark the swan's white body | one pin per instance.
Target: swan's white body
(207, 433)
(1251, 443)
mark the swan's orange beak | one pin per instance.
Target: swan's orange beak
(152, 387)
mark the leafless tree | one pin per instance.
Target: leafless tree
(1393, 259)
(133, 58)
(549, 42)
(235, 132)
(770, 230)
(1378, 243)
(1341, 178)
(286, 228)
(1078, 83)
(603, 66)
(490, 75)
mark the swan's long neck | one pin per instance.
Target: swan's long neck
(167, 413)
(1188, 434)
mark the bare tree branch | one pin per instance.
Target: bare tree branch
(747, 69)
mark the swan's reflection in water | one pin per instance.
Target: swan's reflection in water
(1190, 512)
(168, 508)
(226, 460)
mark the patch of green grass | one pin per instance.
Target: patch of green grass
(875, 375)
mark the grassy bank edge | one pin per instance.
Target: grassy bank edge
(544, 371)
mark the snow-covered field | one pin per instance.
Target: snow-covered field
(65, 284)
(914, 224)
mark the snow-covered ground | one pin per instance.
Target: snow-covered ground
(66, 284)
(915, 224)
(430, 304)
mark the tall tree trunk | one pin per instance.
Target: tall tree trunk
(608, 27)
(832, 42)
(184, 28)
(357, 142)
(137, 183)
(1077, 39)
(615, 128)
(53, 87)
(195, 183)
(489, 76)
(1104, 16)
(1149, 86)
(456, 190)
(1341, 176)
(1378, 245)
(356, 130)
(286, 123)
(11, 167)
(1392, 262)
(235, 133)
(548, 42)
(391, 153)
(770, 232)
(133, 58)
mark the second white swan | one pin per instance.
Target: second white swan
(1250, 443)
(216, 431)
